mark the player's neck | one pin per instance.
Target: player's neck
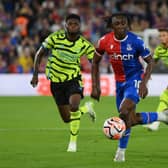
(120, 37)
(72, 36)
(165, 45)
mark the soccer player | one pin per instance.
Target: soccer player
(124, 49)
(161, 53)
(63, 70)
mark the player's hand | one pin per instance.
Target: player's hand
(34, 81)
(143, 90)
(96, 92)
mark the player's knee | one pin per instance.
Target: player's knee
(66, 120)
(74, 107)
(124, 117)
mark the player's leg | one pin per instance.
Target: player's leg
(75, 92)
(75, 116)
(61, 100)
(127, 98)
(87, 108)
(151, 117)
(123, 142)
(163, 105)
(126, 108)
(131, 98)
(71, 113)
(64, 112)
(68, 106)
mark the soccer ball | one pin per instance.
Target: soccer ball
(114, 128)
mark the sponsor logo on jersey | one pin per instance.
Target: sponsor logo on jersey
(125, 57)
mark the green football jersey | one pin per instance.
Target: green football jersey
(64, 61)
(161, 53)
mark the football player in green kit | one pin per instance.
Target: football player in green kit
(65, 47)
(161, 53)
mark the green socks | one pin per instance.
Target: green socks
(163, 104)
(74, 125)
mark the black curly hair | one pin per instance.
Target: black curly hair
(108, 19)
(72, 16)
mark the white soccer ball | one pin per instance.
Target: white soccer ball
(114, 128)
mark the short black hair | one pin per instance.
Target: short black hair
(163, 29)
(72, 16)
(120, 14)
(108, 19)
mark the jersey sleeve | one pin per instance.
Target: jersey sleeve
(100, 49)
(143, 51)
(48, 42)
(90, 51)
(156, 53)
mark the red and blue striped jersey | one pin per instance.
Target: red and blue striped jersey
(124, 54)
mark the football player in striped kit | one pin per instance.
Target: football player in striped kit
(65, 47)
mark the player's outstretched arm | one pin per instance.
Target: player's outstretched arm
(39, 54)
(95, 74)
(143, 90)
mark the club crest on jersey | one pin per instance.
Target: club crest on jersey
(129, 48)
(111, 46)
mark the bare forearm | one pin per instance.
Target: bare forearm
(40, 53)
(148, 70)
(147, 73)
(95, 75)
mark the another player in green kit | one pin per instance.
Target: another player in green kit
(161, 53)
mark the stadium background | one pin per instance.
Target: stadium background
(32, 134)
(25, 23)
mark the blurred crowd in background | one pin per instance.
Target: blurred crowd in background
(24, 24)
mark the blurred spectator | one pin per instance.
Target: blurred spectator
(15, 66)
(25, 60)
(3, 64)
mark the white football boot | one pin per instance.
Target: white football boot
(72, 147)
(153, 126)
(120, 155)
(163, 116)
(91, 111)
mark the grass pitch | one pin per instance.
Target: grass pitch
(32, 135)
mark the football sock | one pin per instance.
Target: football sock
(162, 117)
(148, 117)
(163, 104)
(83, 109)
(123, 142)
(74, 125)
(121, 149)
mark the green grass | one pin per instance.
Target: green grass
(32, 135)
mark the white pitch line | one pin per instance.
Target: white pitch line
(42, 129)
(52, 129)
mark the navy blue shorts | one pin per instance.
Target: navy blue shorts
(128, 89)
